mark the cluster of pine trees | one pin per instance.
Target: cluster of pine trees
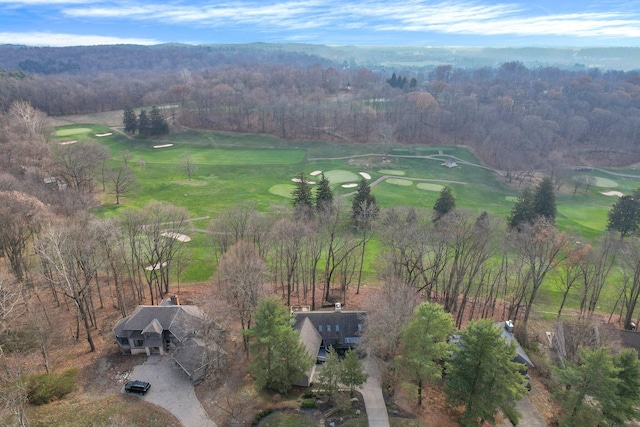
(146, 124)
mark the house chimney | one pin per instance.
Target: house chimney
(508, 325)
(338, 307)
(174, 299)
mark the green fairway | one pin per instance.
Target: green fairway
(72, 131)
(236, 168)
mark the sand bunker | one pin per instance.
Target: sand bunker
(177, 236)
(314, 173)
(365, 175)
(100, 135)
(613, 193)
(156, 267)
(69, 142)
(299, 180)
(349, 185)
(163, 146)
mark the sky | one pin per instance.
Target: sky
(566, 23)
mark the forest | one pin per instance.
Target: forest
(542, 121)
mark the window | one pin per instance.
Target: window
(123, 340)
(319, 328)
(138, 343)
(337, 328)
(359, 327)
(328, 328)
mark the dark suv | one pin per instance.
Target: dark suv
(140, 387)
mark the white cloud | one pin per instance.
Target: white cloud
(57, 40)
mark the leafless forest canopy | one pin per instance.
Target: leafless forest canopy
(513, 116)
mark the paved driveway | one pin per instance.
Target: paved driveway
(171, 390)
(373, 399)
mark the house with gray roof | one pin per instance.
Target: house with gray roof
(169, 328)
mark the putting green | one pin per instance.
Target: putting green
(597, 181)
(392, 172)
(339, 176)
(401, 182)
(72, 131)
(283, 190)
(430, 187)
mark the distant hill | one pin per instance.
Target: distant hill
(120, 58)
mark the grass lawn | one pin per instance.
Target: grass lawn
(234, 168)
(286, 419)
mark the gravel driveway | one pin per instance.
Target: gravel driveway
(171, 390)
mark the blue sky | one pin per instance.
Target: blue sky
(331, 22)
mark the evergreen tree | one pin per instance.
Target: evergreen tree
(523, 211)
(544, 200)
(482, 376)
(144, 123)
(589, 392)
(278, 358)
(425, 345)
(445, 204)
(625, 407)
(158, 125)
(129, 120)
(352, 372)
(624, 216)
(324, 195)
(302, 197)
(329, 376)
(364, 206)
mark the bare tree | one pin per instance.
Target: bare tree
(240, 278)
(30, 123)
(122, 181)
(20, 216)
(188, 164)
(58, 249)
(80, 163)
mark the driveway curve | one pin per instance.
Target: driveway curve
(171, 390)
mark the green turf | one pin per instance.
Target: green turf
(235, 168)
(429, 187)
(72, 131)
(398, 181)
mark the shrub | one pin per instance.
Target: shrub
(308, 393)
(261, 415)
(309, 403)
(45, 388)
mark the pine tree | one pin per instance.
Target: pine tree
(425, 345)
(625, 407)
(364, 206)
(302, 197)
(324, 195)
(278, 358)
(129, 120)
(544, 200)
(158, 124)
(589, 388)
(482, 376)
(445, 204)
(352, 371)
(144, 124)
(624, 216)
(523, 211)
(329, 376)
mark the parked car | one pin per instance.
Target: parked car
(140, 387)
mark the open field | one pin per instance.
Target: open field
(234, 168)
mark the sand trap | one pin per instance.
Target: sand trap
(156, 267)
(177, 236)
(365, 175)
(314, 173)
(163, 146)
(299, 180)
(349, 185)
(69, 142)
(100, 135)
(613, 193)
